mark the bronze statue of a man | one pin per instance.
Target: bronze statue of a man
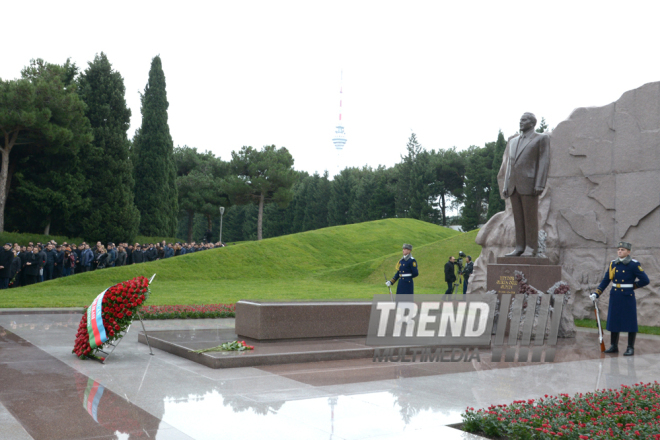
(524, 181)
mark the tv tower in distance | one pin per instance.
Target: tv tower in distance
(340, 137)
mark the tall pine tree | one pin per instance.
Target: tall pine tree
(413, 196)
(112, 213)
(155, 173)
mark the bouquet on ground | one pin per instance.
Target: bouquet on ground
(227, 346)
(109, 316)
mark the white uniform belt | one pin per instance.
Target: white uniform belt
(624, 286)
(409, 275)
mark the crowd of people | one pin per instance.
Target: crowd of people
(35, 263)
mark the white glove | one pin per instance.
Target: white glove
(593, 297)
(388, 283)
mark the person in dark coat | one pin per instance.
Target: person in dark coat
(69, 264)
(450, 275)
(86, 258)
(23, 256)
(626, 275)
(112, 255)
(77, 250)
(129, 254)
(32, 266)
(59, 262)
(6, 258)
(406, 270)
(138, 255)
(49, 266)
(467, 271)
(151, 254)
(43, 259)
(121, 256)
(15, 272)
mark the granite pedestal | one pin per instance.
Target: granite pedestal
(538, 272)
(300, 320)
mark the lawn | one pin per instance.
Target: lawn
(341, 262)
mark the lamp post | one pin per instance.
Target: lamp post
(222, 211)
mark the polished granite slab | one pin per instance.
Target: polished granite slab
(53, 401)
(338, 400)
(281, 352)
(183, 342)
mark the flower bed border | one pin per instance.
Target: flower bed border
(630, 412)
(202, 311)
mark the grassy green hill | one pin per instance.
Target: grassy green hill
(343, 262)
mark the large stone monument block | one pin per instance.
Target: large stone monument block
(602, 188)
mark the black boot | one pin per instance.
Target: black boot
(614, 348)
(631, 345)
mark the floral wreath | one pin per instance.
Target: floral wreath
(109, 316)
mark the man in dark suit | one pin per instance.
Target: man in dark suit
(526, 175)
(59, 262)
(138, 255)
(6, 258)
(450, 275)
(32, 265)
(469, 268)
(49, 266)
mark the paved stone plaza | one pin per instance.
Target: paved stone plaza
(47, 393)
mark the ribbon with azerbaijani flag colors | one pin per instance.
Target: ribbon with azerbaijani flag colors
(95, 328)
(93, 395)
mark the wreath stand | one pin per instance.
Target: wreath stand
(119, 341)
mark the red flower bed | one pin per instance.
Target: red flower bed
(626, 413)
(189, 311)
(119, 305)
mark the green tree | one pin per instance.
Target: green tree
(112, 214)
(155, 175)
(479, 162)
(362, 195)
(495, 201)
(449, 170)
(41, 114)
(341, 191)
(382, 203)
(261, 177)
(191, 188)
(47, 194)
(413, 195)
(199, 185)
(543, 126)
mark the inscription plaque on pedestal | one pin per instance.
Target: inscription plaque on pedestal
(538, 272)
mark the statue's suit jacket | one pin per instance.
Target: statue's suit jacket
(527, 164)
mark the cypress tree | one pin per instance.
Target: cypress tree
(112, 212)
(495, 202)
(155, 173)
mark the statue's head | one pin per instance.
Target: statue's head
(527, 121)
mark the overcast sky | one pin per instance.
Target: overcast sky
(267, 72)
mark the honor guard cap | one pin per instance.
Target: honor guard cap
(625, 245)
(407, 246)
